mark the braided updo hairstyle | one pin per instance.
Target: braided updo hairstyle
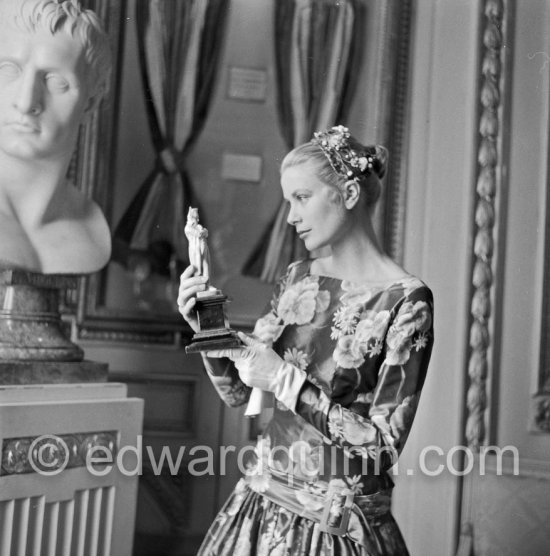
(370, 182)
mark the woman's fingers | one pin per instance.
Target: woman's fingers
(192, 282)
(186, 309)
(230, 353)
(189, 292)
(188, 272)
(190, 285)
(248, 340)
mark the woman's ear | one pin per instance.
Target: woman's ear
(352, 192)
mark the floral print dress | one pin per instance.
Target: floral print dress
(365, 350)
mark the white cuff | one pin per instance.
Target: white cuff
(288, 384)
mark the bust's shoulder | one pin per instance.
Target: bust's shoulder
(82, 220)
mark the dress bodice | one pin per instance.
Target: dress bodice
(365, 349)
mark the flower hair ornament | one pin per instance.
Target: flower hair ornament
(346, 162)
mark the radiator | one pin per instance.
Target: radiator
(72, 511)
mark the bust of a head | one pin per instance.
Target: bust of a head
(54, 68)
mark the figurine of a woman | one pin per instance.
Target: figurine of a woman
(199, 255)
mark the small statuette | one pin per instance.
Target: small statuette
(215, 332)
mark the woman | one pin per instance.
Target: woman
(344, 349)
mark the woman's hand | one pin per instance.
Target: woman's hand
(260, 367)
(257, 363)
(190, 284)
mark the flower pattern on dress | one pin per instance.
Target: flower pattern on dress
(323, 301)
(257, 472)
(298, 303)
(351, 428)
(243, 544)
(268, 328)
(304, 458)
(311, 497)
(348, 354)
(402, 418)
(239, 495)
(359, 333)
(355, 294)
(373, 325)
(297, 357)
(367, 351)
(345, 318)
(412, 318)
(365, 337)
(420, 342)
(259, 477)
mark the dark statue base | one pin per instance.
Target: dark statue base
(34, 347)
(215, 332)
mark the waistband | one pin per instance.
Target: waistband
(337, 509)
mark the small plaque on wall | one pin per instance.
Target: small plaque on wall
(241, 167)
(247, 84)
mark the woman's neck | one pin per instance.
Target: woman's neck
(358, 257)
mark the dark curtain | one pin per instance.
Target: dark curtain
(179, 46)
(317, 61)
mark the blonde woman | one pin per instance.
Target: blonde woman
(344, 350)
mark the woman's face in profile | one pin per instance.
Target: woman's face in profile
(316, 209)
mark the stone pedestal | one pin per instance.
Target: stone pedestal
(56, 410)
(52, 372)
(34, 348)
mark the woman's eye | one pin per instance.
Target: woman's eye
(8, 69)
(56, 83)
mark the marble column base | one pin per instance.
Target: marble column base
(34, 347)
(30, 324)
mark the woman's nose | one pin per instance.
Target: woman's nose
(29, 94)
(292, 217)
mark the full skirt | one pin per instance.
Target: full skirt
(251, 525)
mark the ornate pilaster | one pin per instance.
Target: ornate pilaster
(489, 190)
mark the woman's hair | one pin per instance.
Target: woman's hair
(338, 157)
(67, 16)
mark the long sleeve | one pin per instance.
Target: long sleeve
(376, 419)
(225, 379)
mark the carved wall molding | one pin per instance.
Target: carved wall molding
(488, 217)
(395, 187)
(49, 454)
(540, 413)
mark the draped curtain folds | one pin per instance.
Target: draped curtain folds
(317, 54)
(179, 44)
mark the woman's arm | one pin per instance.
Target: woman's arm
(382, 431)
(225, 379)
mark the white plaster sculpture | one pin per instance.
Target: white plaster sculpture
(199, 255)
(54, 66)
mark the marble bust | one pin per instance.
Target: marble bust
(54, 66)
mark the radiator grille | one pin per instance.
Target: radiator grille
(78, 527)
